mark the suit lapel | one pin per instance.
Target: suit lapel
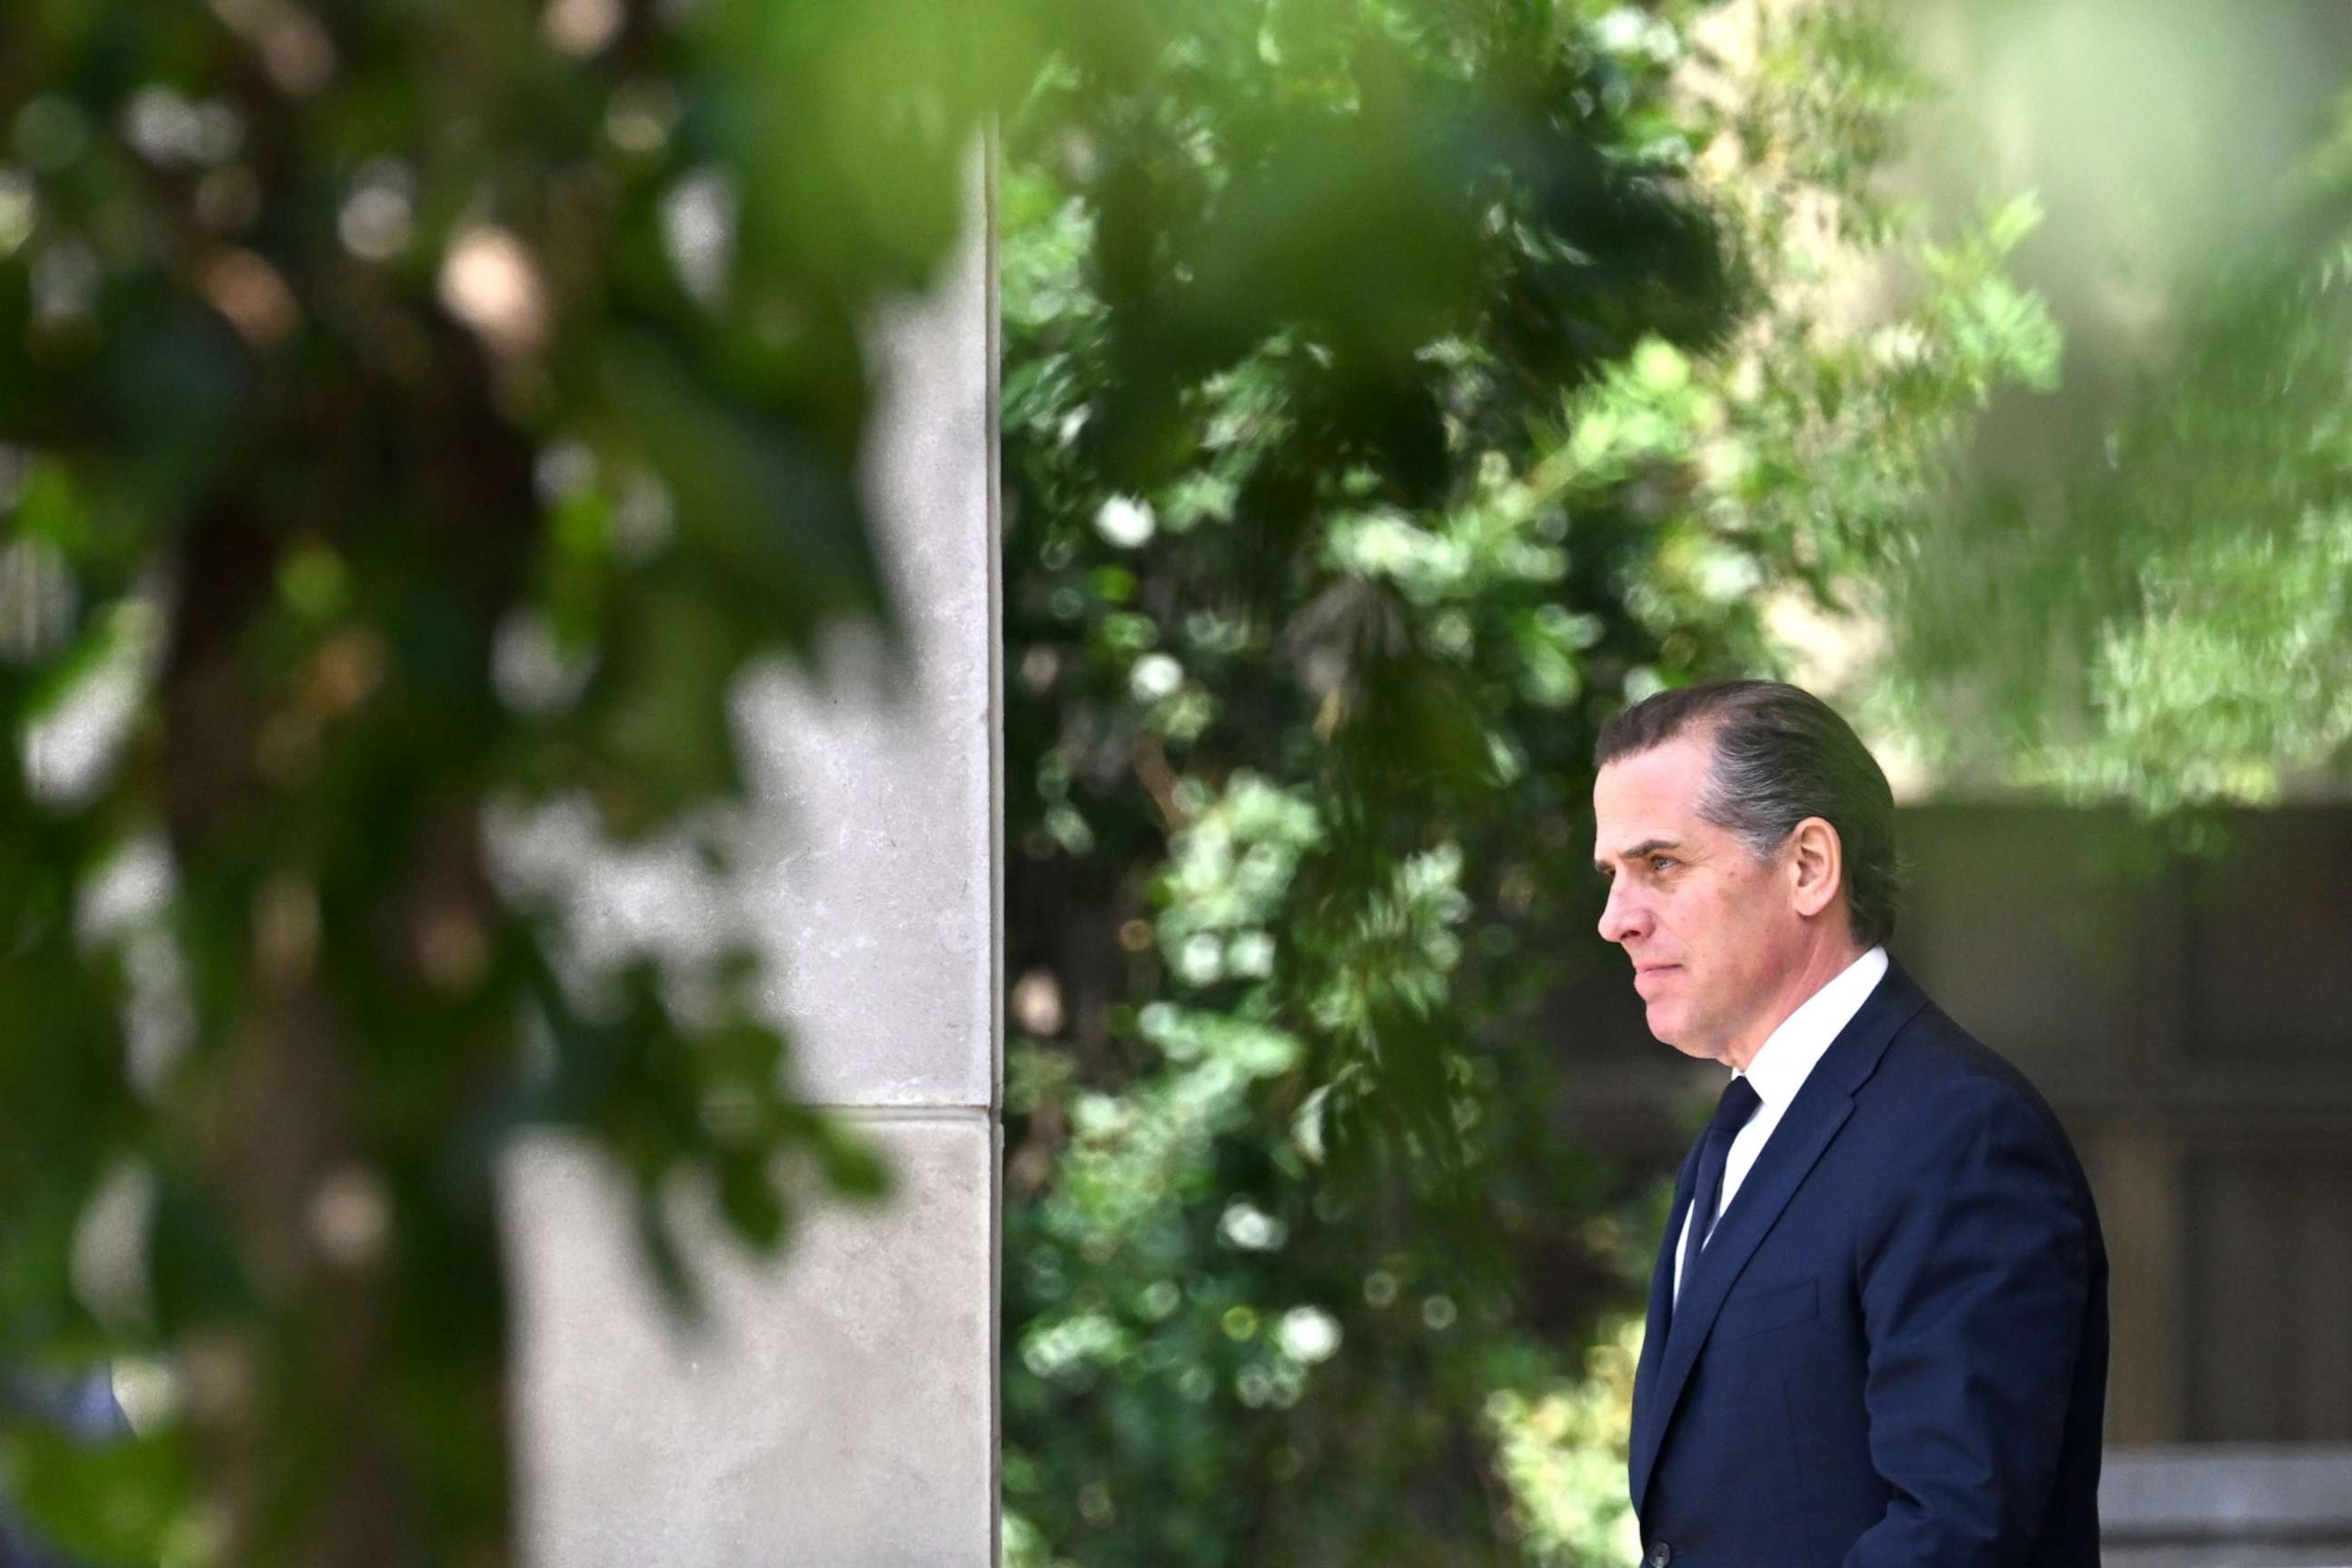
(1788, 1156)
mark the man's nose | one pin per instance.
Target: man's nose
(1623, 917)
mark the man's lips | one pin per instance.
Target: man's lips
(1652, 971)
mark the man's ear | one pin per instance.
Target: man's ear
(1818, 862)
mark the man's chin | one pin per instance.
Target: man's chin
(1671, 1027)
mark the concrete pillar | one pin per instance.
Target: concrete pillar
(841, 1408)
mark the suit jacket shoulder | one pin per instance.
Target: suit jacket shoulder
(1937, 1080)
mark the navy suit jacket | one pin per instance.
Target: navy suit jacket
(1892, 1352)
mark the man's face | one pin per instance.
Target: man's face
(1712, 930)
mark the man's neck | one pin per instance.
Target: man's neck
(1825, 962)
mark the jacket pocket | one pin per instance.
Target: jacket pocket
(1774, 1307)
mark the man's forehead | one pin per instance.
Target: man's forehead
(1649, 796)
(1664, 780)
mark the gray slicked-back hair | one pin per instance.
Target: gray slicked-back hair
(1781, 754)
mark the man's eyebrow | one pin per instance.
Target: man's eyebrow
(1646, 848)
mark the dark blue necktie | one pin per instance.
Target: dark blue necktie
(1731, 1114)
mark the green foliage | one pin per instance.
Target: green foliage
(113, 1506)
(2171, 627)
(1309, 646)
(1562, 1450)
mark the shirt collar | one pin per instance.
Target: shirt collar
(1789, 1054)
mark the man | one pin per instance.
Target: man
(1878, 1326)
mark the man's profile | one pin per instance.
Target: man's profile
(1878, 1325)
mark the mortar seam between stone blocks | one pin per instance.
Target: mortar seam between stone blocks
(902, 1112)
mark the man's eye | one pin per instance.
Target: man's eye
(1661, 862)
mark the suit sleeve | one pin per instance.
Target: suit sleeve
(1975, 1273)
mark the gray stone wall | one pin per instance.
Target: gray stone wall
(2228, 1505)
(839, 1407)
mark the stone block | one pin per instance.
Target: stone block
(838, 1410)
(871, 871)
(2227, 1491)
(865, 861)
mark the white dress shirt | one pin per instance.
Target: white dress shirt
(1779, 1069)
